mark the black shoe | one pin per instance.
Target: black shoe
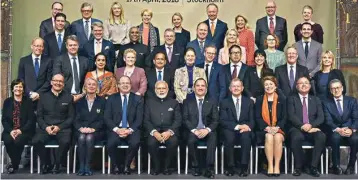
(243, 172)
(167, 172)
(10, 169)
(45, 169)
(115, 170)
(297, 172)
(337, 170)
(314, 172)
(269, 174)
(276, 174)
(154, 172)
(196, 172)
(127, 170)
(349, 170)
(229, 172)
(81, 172)
(209, 174)
(56, 169)
(88, 172)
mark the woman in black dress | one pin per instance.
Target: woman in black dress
(182, 36)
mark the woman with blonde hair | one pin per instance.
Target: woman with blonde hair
(230, 39)
(182, 36)
(246, 37)
(149, 34)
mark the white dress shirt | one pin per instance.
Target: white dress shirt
(304, 44)
(73, 90)
(33, 59)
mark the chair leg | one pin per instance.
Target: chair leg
(327, 156)
(322, 164)
(356, 165)
(148, 163)
(103, 161)
(256, 158)
(38, 165)
(68, 162)
(74, 159)
(178, 160)
(109, 164)
(292, 162)
(251, 160)
(32, 159)
(2, 157)
(216, 160)
(222, 159)
(139, 158)
(285, 149)
(186, 160)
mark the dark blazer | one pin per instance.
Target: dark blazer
(46, 27)
(294, 111)
(141, 57)
(283, 78)
(200, 58)
(177, 60)
(113, 111)
(350, 113)
(262, 30)
(228, 117)
(253, 83)
(27, 115)
(26, 72)
(107, 49)
(92, 119)
(78, 29)
(210, 114)
(183, 38)
(219, 34)
(51, 49)
(281, 113)
(152, 79)
(214, 81)
(62, 64)
(333, 74)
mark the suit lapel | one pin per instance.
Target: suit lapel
(301, 51)
(31, 65)
(195, 109)
(42, 65)
(130, 103)
(345, 107)
(211, 72)
(232, 107)
(266, 25)
(242, 72)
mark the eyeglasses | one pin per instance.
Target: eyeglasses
(209, 53)
(335, 88)
(86, 11)
(268, 7)
(271, 39)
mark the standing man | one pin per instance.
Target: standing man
(48, 26)
(201, 118)
(271, 24)
(217, 28)
(82, 27)
(309, 50)
(55, 114)
(123, 116)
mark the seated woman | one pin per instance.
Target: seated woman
(137, 75)
(230, 39)
(275, 57)
(106, 81)
(88, 124)
(185, 77)
(270, 117)
(18, 120)
(327, 73)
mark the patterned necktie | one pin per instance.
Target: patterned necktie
(170, 52)
(339, 107)
(59, 41)
(234, 73)
(159, 76)
(201, 45)
(124, 112)
(37, 67)
(212, 28)
(304, 111)
(238, 108)
(272, 26)
(200, 123)
(306, 49)
(75, 75)
(207, 71)
(87, 29)
(292, 77)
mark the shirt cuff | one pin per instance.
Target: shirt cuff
(152, 132)
(131, 130)
(237, 127)
(115, 129)
(193, 130)
(208, 129)
(171, 132)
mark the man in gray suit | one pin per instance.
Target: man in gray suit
(309, 50)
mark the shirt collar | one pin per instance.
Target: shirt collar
(301, 96)
(95, 40)
(197, 98)
(89, 21)
(95, 96)
(62, 33)
(166, 46)
(34, 56)
(70, 56)
(309, 40)
(125, 95)
(210, 64)
(238, 64)
(289, 65)
(160, 69)
(215, 21)
(56, 93)
(340, 97)
(274, 18)
(235, 98)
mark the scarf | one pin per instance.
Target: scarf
(266, 114)
(152, 36)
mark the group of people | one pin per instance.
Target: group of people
(89, 82)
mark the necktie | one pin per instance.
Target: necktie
(159, 76)
(234, 73)
(75, 75)
(212, 28)
(87, 30)
(292, 77)
(37, 66)
(124, 112)
(201, 45)
(306, 49)
(207, 71)
(237, 107)
(339, 107)
(98, 47)
(304, 111)
(200, 123)
(170, 52)
(59, 42)
(272, 26)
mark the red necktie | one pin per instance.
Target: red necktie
(272, 26)
(234, 73)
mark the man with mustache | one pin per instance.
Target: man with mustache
(162, 119)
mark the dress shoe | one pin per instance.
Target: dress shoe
(196, 172)
(126, 171)
(269, 174)
(154, 172)
(10, 169)
(115, 170)
(243, 172)
(88, 172)
(45, 169)
(167, 172)
(297, 172)
(56, 169)
(276, 174)
(209, 174)
(314, 172)
(349, 170)
(230, 172)
(81, 172)
(337, 170)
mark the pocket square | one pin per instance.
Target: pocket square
(107, 47)
(170, 109)
(177, 54)
(98, 111)
(141, 53)
(64, 104)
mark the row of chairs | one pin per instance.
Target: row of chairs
(53, 144)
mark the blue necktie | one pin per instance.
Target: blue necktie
(339, 107)
(124, 112)
(159, 76)
(59, 42)
(200, 123)
(292, 77)
(37, 66)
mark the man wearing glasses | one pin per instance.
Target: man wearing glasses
(48, 25)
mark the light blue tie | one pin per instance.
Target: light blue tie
(159, 76)
(124, 112)
(59, 42)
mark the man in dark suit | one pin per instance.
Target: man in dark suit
(48, 25)
(288, 74)
(271, 24)
(36, 71)
(217, 28)
(173, 53)
(304, 121)
(200, 42)
(97, 45)
(160, 72)
(55, 41)
(142, 51)
(73, 67)
(341, 114)
(162, 119)
(235, 69)
(237, 120)
(123, 117)
(82, 27)
(212, 72)
(201, 118)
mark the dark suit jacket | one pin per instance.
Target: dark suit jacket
(46, 27)
(262, 30)
(51, 49)
(210, 114)
(228, 117)
(107, 49)
(214, 81)
(92, 119)
(141, 57)
(333, 74)
(183, 38)
(200, 58)
(113, 111)
(26, 72)
(350, 113)
(283, 79)
(219, 34)
(294, 111)
(281, 113)
(27, 115)
(78, 29)
(62, 64)
(152, 79)
(253, 83)
(177, 60)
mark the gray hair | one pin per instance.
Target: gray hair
(335, 81)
